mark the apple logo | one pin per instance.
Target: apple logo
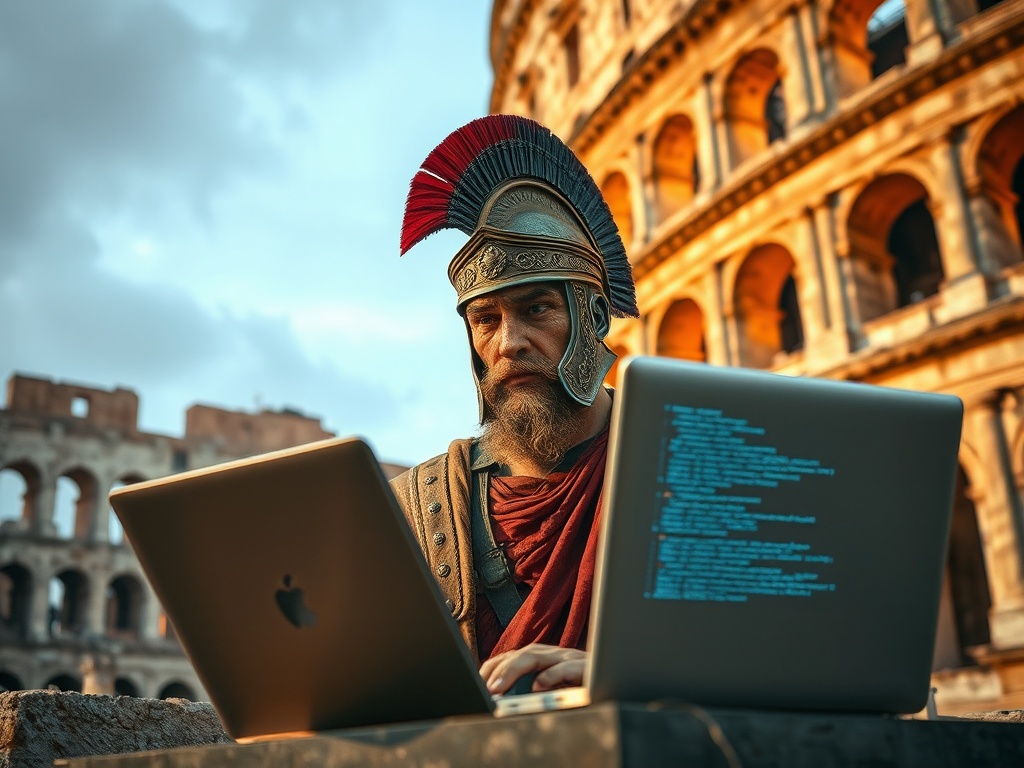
(290, 602)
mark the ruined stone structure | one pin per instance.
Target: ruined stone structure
(826, 188)
(76, 610)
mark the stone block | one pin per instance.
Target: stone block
(38, 727)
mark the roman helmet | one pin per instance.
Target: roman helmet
(533, 214)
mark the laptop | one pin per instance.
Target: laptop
(299, 594)
(771, 541)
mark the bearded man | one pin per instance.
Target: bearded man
(509, 521)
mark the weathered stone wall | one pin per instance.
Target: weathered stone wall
(38, 727)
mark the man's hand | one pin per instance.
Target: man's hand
(554, 668)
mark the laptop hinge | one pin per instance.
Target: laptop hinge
(493, 574)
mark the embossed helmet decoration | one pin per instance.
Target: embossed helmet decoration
(533, 214)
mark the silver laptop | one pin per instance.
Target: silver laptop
(299, 594)
(771, 541)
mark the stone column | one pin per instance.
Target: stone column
(645, 222)
(99, 673)
(730, 329)
(96, 611)
(952, 220)
(38, 620)
(814, 310)
(1000, 519)
(797, 86)
(837, 265)
(812, 60)
(43, 506)
(719, 134)
(996, 244)
(965, 288)
(715, 341)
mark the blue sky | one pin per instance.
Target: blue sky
(201, 200)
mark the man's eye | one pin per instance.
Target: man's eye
(536, 309)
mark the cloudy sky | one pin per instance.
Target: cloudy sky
(200, 200)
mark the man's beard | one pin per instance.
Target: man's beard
(537, 421)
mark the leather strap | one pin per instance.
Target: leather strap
(492, 570)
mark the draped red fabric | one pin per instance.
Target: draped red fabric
(549, 528)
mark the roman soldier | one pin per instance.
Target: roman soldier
(508, 520)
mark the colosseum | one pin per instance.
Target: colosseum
(76, 611)
(826, 188)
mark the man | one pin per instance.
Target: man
(508, 522)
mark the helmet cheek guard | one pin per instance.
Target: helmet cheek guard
(586, 360)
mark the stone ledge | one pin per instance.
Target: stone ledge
(92, 731)
(612, 735)
(38, 727)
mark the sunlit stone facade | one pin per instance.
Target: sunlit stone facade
(826, 188)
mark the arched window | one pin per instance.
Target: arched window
(767, 312)
(19, 486)
(913, 243)
(75, 504)
(675, 168)
(1000, 166)
(65, 682)
(15, 600)
(967, 573)
(755, 107)
(125, 687)
(894, 250)
(868, 38)
(10, 681)
(124, 607)
(69, 598)
(966, 601)
(616, 193)
(681, 333)
(887, 36)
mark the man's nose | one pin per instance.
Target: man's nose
(513, 339)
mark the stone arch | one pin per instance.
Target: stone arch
(966, 567)
(20, 482)
(765, 304)
(615, 190)
(68, 602)
(894, 249)
(10, 681)
(175, 689)
(16, 586)
(681, 332)
(868, 37)
(998, 168)
(75, 503)
(753, 100)
(125, 686)
(125, 597)
(65, 682)
(674, 166)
